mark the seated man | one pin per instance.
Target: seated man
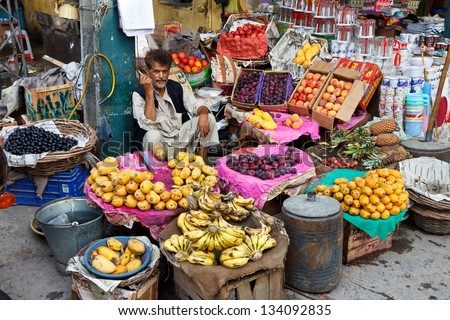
(170, 114)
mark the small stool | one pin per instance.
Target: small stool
(26, 46)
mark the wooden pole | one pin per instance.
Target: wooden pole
(435, 108)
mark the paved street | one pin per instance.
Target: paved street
(417, 267)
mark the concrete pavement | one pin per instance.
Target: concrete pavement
(417, 267)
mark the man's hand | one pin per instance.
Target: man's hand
(146, 83)
(203, 124)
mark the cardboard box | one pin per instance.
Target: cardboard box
(321, 67)
(289, 87)
(244, 105)
(370, 74)
(55, 102)
(358, 244)
(350, 103)
(163, 29)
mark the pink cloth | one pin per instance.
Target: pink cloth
(153, 219)
(253, 187)
(284, 134)
(351, 123)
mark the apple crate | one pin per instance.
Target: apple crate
(304, 107)
(273, 82)
(243, 96)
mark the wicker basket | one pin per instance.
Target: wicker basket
(438, 205)
(55, 162)
(430, 220)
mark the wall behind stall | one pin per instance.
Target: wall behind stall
(29, 11)
(201, 13)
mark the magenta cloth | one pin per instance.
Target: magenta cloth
(155, 220)
(253, 187)
(284, 134)
(351, 123)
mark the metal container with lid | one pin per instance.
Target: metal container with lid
(314, 224)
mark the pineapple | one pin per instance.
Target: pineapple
(386, 139)
(383, 156)
(383, 126)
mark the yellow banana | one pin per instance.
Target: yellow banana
(201, 243)
(240, 200)
(223, 223)
(270, 243)
(194, 235)
(201, 260)
(248, 241)
(231, 239)
(109, 254)
(222, 242)
(235, 232)
(180, 222)
(190, 226)
(262, 238)
(235, 263)
(217, 244)
(241, 251)
(254, 239)
(114, 244)
(103, 264)
(264, 229)
(167, 244)
(174, 240)
(197, 222)
(199, 214)
(211, 242)
(204, 254)
(181, 256)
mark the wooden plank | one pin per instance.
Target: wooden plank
(244, 292)
(149, 288)
(261, 290)
(53, 60)
(236, 283)
(368, 248)
(186, 284)
(276, 284)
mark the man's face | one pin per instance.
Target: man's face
(159, 75)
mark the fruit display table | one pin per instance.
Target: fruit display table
(268, 187)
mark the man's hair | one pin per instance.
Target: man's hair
(160, 56)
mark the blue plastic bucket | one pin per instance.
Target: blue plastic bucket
(413, 127)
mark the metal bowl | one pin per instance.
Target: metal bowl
(145, 258)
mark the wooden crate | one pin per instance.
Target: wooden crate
(357, 244)
(84, 289)
(262, 285)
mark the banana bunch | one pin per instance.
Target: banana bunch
(215, 237)
(257, 243)
(265, 229)
(117, 257)
(231, 206)
(179, 245)
(235, 257)
(202, 257)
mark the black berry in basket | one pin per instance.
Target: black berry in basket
(35, 140)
